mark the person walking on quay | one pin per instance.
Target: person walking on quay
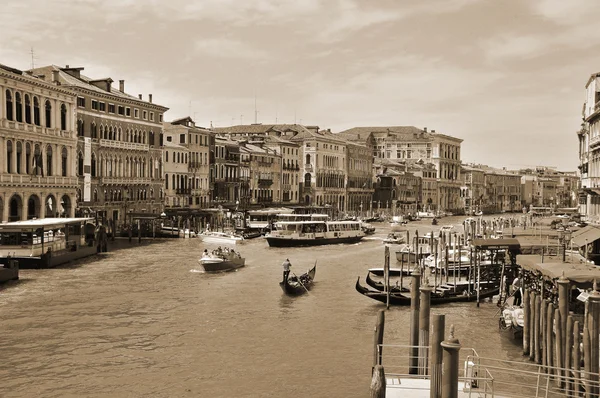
(517, 296)
(286, 269)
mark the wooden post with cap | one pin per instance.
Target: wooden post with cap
(451, 348)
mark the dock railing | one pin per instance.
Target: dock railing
(483, 376)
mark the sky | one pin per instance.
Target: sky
(508, 77)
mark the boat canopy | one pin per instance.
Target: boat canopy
(46, 223)
(579, 273)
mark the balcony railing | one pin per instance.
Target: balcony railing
(32, 128)
(306, 190)
(183, 191)
(308, 167)
(265, 181)
(291, 167)
(124, 145)
(232, 179)
(48, 181)
(126, 180)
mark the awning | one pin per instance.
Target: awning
(491, 244)
(585, 236)
(577, 272)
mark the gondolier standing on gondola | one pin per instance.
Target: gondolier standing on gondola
(286, 269)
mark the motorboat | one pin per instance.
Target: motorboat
(425, 214)
(221, 238)
(394, 239)
(367, 228)
(221, 260)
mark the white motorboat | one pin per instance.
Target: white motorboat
(394, 239)
(224, 260)
(425, 214)
(221, 238)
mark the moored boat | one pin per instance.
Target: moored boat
(394, 239)
(223, 260)
(512, 320)
(367, 228)
(295, 286)
(438, 296)
(221, 238)
(394, 287)
(9, 271)
(48, 242)
(314, 233)
(393, 271)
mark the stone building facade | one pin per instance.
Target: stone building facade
(38, 146)
(226, 168)
(177, 193)
(120, 139)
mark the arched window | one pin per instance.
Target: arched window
(36, 111)
(173, 182)
(19, 107)
(307, 180)
(27, 109)
(48, 114)
(166, 181)
(80, 164)
(9, 155)
(63, 117)
(307, 158)
(19, 156)
(9, 105)
(63, 163)
(38, 168)
(80, 127)
(48, 160)
(28, 157)
(94, 130)
(93, 165)
(101, 131)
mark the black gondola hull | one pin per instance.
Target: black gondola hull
(297, 289)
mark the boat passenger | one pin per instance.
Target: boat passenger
(205, 253)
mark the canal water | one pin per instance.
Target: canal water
(146, 321)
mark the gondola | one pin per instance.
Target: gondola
(293, 287)
(380, 286)
(436, 298)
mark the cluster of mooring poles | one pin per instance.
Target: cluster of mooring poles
(437, 357)
(552, 338)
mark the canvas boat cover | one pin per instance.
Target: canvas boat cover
(578, 272)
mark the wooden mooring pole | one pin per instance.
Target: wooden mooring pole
(378, 339)
(451, 347)
(594, 331)
(526, 320)
(378, 384)
(438, 325)
(568, 352)
(424, 315)
(576, 359)
(414, 323)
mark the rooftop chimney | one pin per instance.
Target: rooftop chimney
(425, 129)
(433, 131)
(140, 96)
(67, 66)
(150, 98)
(55, 76)
(122, 86)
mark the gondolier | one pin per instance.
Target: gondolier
(286, 269)
(516, 285)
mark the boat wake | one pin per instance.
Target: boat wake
(200, 271)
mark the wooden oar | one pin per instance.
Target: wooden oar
(300, 282)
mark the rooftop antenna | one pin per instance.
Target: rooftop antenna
(255, 111)
(32, 58)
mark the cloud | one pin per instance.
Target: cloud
(228, 48)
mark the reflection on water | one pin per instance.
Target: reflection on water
(147, 321)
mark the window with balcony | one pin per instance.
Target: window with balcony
(27, 109)
(49, 160)
(36, 111)
(18, 107)
(48, 108)
(9, 105)
(63, 163)
(63, 117)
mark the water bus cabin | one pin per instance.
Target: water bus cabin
(48, 242)
(314, 233)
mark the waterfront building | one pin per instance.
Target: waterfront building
(473, 190)
(38, 147)
(177, 174)
(120, 140)
(503, 190)
(198, 142)
(547, 187)
(359, 166)
(290, 168)
(397, 188)
(265, 173)
(412, 143)
(428, 174)
(226, 187)
(324, 167)
(589, 151)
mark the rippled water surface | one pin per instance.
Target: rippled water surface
(145, 321)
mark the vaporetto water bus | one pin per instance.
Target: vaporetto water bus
(314, 233)
(48, 242)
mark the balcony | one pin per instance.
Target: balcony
(594, 141)
(124, 145)
(125, 181)
(32, 128)
(306, 190)
(265, 182)
(183, 191)
(232, 179)
(194, 165)
(29, 180)
(291, 167)
(308, 168)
